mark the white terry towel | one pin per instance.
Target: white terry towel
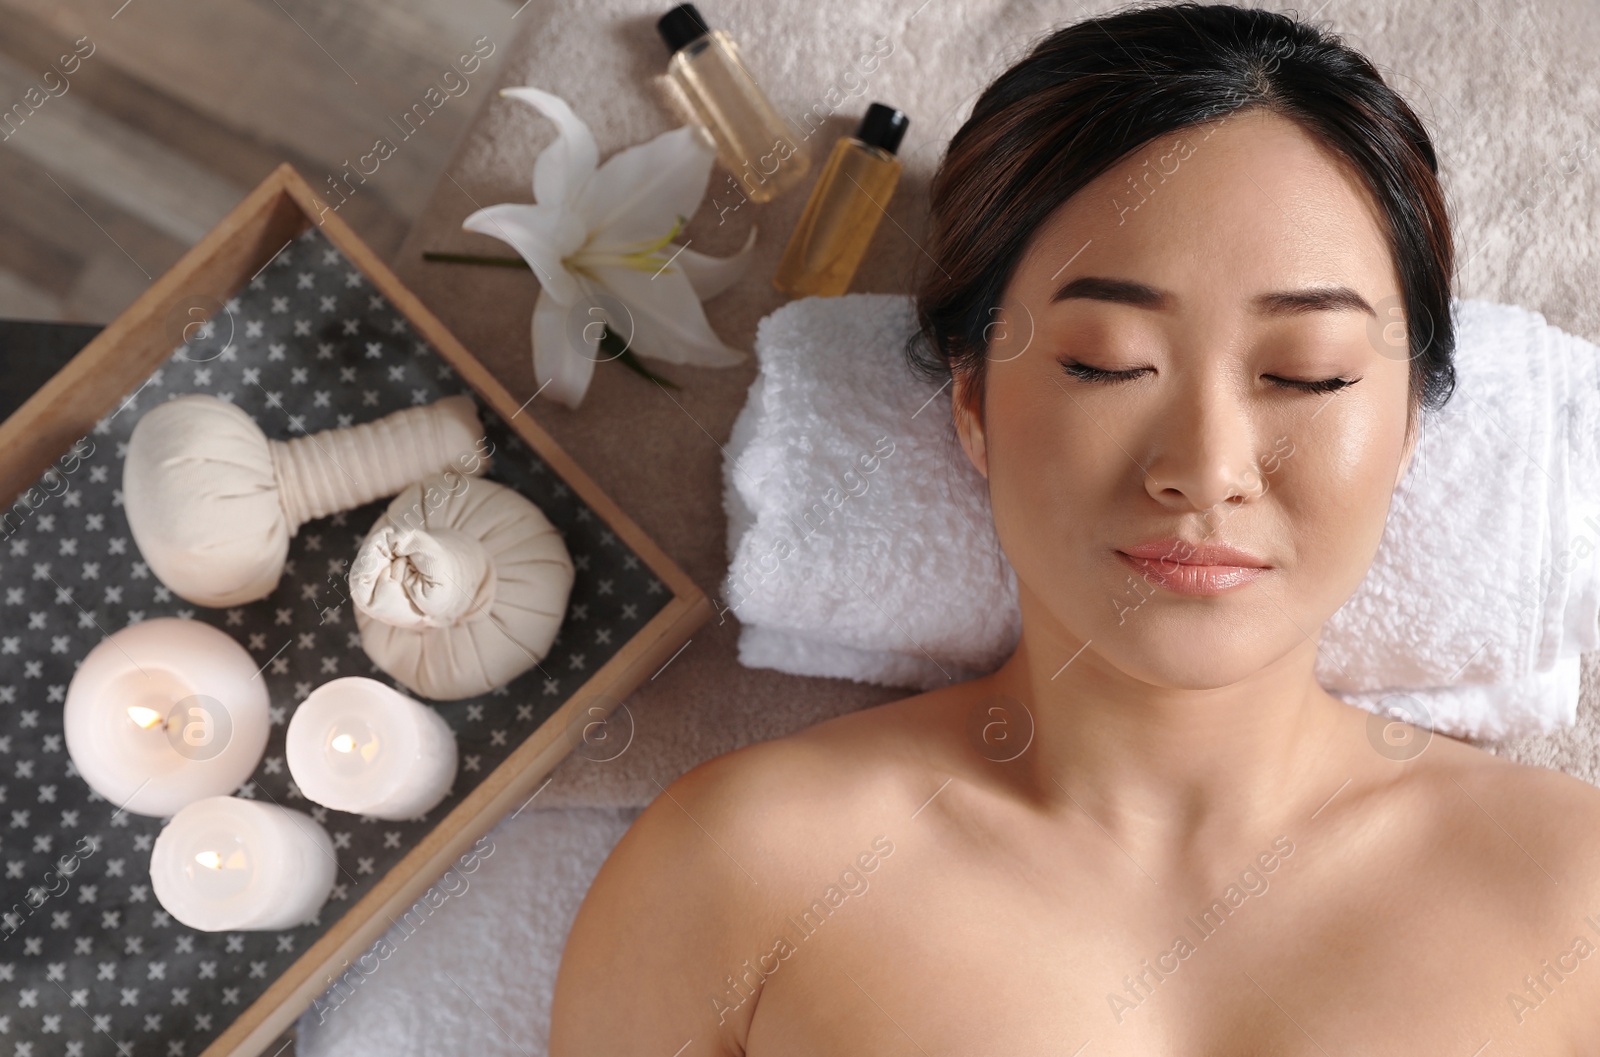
(470, 966)
(861, 543)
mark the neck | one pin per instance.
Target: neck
(1163, 768)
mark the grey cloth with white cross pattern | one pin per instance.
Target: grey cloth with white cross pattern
(89, 962)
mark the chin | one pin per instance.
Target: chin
(1182, 645)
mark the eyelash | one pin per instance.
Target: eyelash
(1084, 372)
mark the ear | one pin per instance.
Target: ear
(969, 421)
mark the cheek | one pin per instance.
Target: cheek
(1053, 474)
(1334, 493)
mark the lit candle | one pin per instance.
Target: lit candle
(165, 712)
(357, 745)
(225, 863)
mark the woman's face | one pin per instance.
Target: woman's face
(1214, 267)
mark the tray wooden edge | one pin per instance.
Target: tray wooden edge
(138, 341)
(131, 346)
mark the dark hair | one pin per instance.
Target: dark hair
(1089, 94)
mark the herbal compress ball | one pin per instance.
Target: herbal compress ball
(460, 587)
(212, 503)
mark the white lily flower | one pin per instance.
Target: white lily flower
(601, 234)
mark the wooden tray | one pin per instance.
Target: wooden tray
(121, 360)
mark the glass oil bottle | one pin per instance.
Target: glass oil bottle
(753, 142)
(845, 207)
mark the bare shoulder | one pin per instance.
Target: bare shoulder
(1542, 824)
(690, 894)
(784, 799)
(1536, 833)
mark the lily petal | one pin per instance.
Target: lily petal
(639, 193)
(668, 322)
(711, 275)
(563, 355)
(565, 166)
(542, 235)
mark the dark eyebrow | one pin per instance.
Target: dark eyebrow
(1117, 291)
(1314, 299)
(1286, 302)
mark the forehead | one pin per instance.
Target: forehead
(1249, 202)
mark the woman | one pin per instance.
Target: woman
(1191, 283)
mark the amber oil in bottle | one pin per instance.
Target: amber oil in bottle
(845, 207)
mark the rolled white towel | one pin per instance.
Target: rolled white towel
(861, 543)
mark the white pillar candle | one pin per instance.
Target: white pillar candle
(357, 745)
(165, 712)
(225, 863)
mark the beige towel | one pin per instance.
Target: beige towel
(1507, 90)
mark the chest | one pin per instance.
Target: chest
(962, 957)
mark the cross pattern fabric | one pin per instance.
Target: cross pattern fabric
(89, 962)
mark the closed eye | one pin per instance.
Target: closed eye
(1084, 372)
(1322, 385)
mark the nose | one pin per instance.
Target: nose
(1202, 451)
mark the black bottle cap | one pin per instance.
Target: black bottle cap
(682, 25)
(883, 126)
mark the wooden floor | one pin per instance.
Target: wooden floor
(111, 169)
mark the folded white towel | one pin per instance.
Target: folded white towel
(861, 543)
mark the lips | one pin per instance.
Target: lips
(1193, 568)
(1170, 550)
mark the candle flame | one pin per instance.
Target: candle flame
(213, 860)
(344, 743)
(144, 717)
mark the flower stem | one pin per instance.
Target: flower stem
(473, 258)
(613, 344)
